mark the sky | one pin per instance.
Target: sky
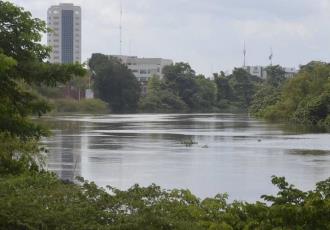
(208, 34)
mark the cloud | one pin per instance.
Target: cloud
(209, 34)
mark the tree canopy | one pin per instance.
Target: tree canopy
(304, 99)
(22, 65)
(115, 84)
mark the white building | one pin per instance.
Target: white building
(65, 39)
(260, 71)
(144, 68)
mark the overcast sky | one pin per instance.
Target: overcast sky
(209, 34)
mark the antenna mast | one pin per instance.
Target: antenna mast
(244, 55)
(271, 56)
(120, 28)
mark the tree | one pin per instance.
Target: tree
(22, 64)
(305, 98)
(275, 76)
(205, 97)
(244, 86)
(115, 84)
(180, 79)
(160, 99)
(224, 91)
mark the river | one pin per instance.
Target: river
(233, 154)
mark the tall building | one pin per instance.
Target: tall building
(65, 38)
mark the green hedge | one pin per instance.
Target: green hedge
(82, 106)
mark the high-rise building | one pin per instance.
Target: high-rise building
(65, 38)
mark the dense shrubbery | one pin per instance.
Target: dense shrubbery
(182, 90)
(115, 84)
(40, 201)
(31, 198)
(304, 99)
(82, 106)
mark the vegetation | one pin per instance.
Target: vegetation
(236, 91)
(31, 198)
(115, 84)
(304, 99)
(161, 99)
(82, 106)
(180, 90)
(40, 201)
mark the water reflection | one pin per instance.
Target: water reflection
(241, 155)
(65, 150)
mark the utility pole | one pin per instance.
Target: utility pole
(271, 56)
(244, 55)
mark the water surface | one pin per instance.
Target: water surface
(234, 153)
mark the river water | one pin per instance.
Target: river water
(232, 154)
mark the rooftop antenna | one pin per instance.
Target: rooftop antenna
(244, 55)
(120, 28)
(271, 56)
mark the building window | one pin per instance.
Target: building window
(143, 71)
(67, 36)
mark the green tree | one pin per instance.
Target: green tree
(115, 84)
(205, 97)
(244, 86)
(160, 99)
(22, 64)
(224, 91)
(305, 98)
(180, 79)
(275, 76)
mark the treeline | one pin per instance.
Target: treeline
(180, 89)
(304, 99)
(32, 198)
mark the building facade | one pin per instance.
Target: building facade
(144, 68)
(65, 38)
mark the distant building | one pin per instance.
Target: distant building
(65, 39)
(260, 71)
(144, 68)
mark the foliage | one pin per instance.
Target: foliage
(180, 90)
(41, 201)
(275, 76)
(305, 98)
(115, 84)
(21, 59)
(78, 84)
(22, 66)
(236, 90)
(206, 95)
(82, 106)
(160, 99)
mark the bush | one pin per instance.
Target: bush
(82, 106)
(304, 99)
(41, 201)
